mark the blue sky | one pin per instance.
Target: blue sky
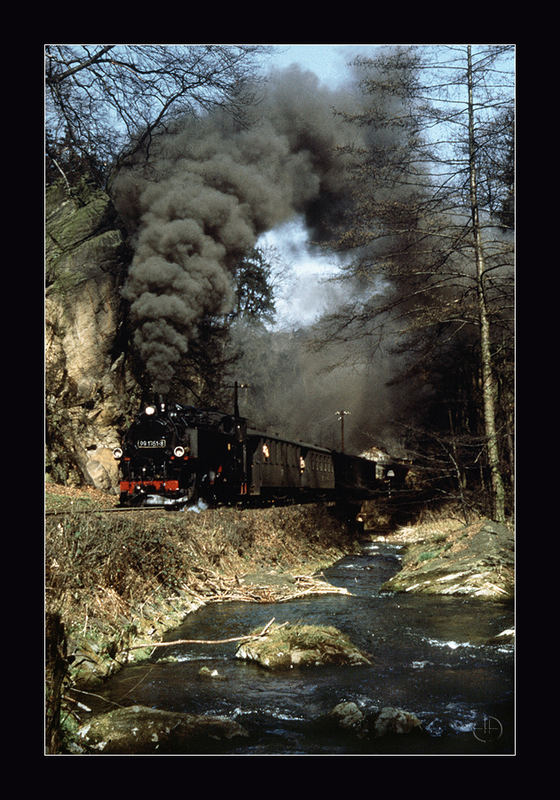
(305, 295)
(327, 61)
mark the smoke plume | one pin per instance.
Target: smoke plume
(207, 191)
(297, 391)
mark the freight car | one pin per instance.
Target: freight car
(175, 455)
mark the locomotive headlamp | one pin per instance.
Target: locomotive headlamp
(179, 451)
(117, 453)
(150, 410)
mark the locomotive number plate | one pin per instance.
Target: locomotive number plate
(150, 443)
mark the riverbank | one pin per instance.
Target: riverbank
(444, 557)
(118, 580)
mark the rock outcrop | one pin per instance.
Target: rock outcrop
(89, 387)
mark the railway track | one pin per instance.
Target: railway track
(398, 497)
(52, 513)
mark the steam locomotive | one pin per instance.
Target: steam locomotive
(176, 455)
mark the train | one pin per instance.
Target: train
(177, 456)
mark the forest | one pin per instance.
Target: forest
(405, 179)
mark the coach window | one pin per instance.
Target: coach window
(266, 451)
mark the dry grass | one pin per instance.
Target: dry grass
(113, 577)
(431, 525)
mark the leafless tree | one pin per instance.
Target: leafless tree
(430, 261)
(108, 101)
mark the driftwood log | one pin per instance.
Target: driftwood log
(207, 641)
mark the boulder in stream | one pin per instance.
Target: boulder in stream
(374, 723)
(295, 645)
(349, 716)
(394, 721)
(140, 730)
(503, 638)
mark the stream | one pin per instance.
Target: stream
(429, 657)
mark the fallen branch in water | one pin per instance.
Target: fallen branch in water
(234, 591)
(206, 641)
(76, 702)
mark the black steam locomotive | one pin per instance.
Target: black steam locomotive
(176, 455)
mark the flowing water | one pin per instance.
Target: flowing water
(429, 656)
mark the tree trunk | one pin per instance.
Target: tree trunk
(55, 640)
(488, 382)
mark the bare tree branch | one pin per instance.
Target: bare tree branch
(107, 101)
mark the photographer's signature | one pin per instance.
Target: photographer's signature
(488, 729)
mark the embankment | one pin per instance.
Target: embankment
(450, 558)
(123, 578)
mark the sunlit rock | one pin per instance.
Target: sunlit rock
(475, 560)
(88, 383)
(287, 646)
(504, 637)
(348, 716)
(141, 730)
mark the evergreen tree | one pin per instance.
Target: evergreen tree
(254, 290)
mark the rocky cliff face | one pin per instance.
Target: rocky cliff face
(89, 386)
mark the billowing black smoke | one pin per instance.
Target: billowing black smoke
(298, 391)
(208, 189)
